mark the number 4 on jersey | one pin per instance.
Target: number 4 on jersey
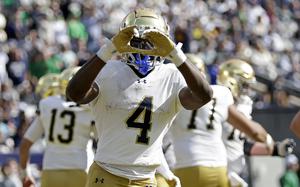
(145, 106)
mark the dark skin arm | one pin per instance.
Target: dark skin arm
(24, 152)
(295, 125)
(24, 157)
(198, 92)
(81, 88)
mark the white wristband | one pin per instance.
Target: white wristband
(177, 56)
(106, 51)
(23, 173)
(269, 142)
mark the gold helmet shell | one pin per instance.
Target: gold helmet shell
(197, 61)
(143, 19)
(235, 74)
(66, 76)
(48, 85)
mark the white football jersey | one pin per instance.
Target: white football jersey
(234, 139)
(197, 135)
(168, 150)
(132, 116)
(66, 128)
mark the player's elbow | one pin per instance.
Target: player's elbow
(207, 95)
(73, 93)
(295, 129)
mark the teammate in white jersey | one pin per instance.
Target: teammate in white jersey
(66, 127)
(238, 75)
(197, 135)
(136, 98)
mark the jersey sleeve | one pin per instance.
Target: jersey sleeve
(35, 130)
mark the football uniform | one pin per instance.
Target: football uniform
(66, 128)
(132, 116)
(197, 137)
(168, 149)
(234, 139)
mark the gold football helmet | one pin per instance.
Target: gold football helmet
(66, 76)
(236, 75)
(197, 61)
(48, 85)
(143, 19)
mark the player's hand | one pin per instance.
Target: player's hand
(162, 44)
(122, 40)
(28, 182)
(119, 43)
(285, 147)
(174, 182)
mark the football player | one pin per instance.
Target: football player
(136, 98)
(238, 76)
(197, 136)
(66, 127)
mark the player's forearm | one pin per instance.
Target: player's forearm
(82, 81)
(257, 132)
(295, 125)
(252, 129)
(197, 83)
(24, 153)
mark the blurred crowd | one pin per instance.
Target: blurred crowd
(46, 36)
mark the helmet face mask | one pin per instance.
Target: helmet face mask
(237, 75)
(143, 19)
(142, 63)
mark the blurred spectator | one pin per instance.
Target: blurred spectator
(68, 56)
(262, 60)
(10, 174)
(290, 177)
(16, 66)
(76, 29)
